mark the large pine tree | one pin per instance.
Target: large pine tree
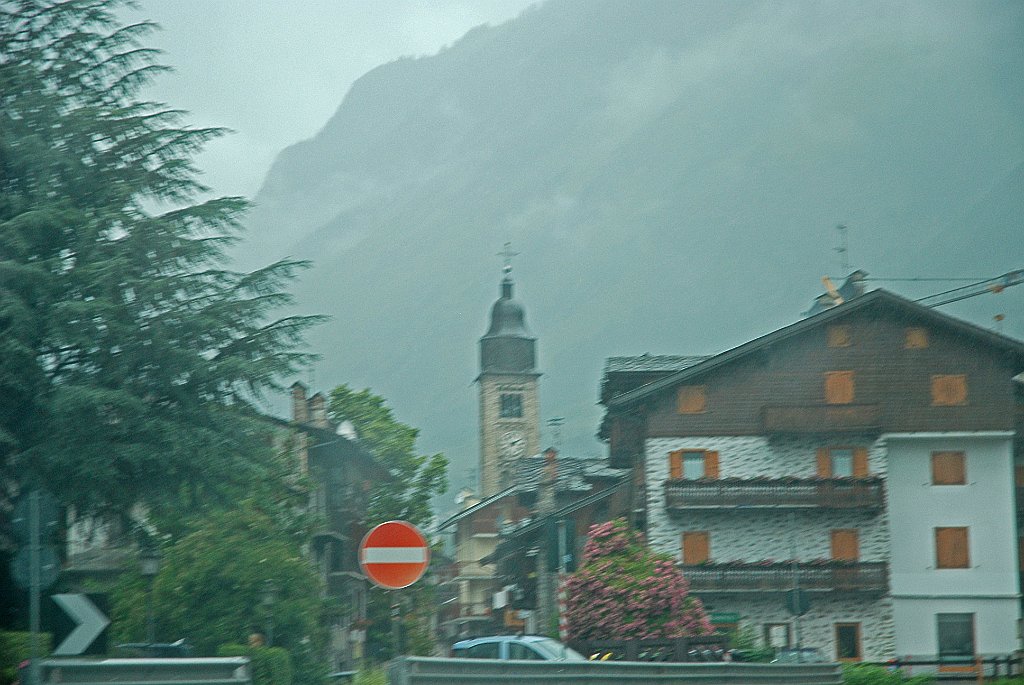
(131, 358)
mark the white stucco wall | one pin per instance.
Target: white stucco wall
(756, 535)
(995, 625)
(817, 626)
(985, 505)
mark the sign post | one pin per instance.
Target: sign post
(394, 555)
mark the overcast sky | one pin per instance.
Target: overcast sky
(275, 71)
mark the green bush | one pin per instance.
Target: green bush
(14, 648)
(868, 674)
(269, 665)
(373, 676)
(744, 641)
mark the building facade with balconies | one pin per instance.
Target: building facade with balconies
(864, 455)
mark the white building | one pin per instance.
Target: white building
(864, 455)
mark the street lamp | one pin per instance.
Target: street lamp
(268, 597)
(149, 567)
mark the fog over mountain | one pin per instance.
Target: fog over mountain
(672, 175)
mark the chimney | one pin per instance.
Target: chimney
(300, 410)
(551, 464)
(546, 489)
(318, 409)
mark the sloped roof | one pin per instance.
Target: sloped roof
(651, 362)
(871, 299)
(573, 473)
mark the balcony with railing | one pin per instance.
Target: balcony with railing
(822, 418)
(826, 575)
(775, 493)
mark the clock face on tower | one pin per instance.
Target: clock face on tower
(512, 443)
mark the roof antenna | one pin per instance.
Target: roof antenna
(843, 250)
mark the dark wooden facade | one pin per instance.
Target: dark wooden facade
(776, 384)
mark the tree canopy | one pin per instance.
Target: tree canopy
(131, 358)
(210, 590)
(623, 590)
(417, 478)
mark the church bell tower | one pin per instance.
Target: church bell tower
(509, 408)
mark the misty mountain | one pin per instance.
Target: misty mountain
(672, 174)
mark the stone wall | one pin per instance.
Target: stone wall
(492, 463)
(765, 534)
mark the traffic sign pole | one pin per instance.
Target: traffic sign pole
(34, 587)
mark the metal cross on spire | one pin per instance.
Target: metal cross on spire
(508, 254)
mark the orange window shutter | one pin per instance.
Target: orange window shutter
(860, 462)
(675, 465)
(824, 466)
(690, 399)
(839, 336)
(951, 548)
(696, 547)
(839, 387)
(846, 544)
(711, 464)
(948, 468)
(916, 339)
(949, 390)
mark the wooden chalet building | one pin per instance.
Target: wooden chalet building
(872, 443)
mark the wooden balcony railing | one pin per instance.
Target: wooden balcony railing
(848, 576)
(781, 493)
(822, 418)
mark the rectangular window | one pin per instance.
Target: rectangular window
(839, 336)
(842, 462)
(776, 635)
(848, 642)
(511, 405)
(915, 338)
(949, 390)
(948, 468)
(845, 544)
(839, 387)
(693, 464)
(696, 547)
(691, 399)
(951, 548)
(956, 637)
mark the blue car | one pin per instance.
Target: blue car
(515, 647)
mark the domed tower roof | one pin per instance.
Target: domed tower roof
(508, 318)
(508, 346)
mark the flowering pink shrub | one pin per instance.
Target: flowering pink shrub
(623, 590)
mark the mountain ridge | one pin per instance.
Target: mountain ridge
(672, 175)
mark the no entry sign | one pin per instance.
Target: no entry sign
(394, 555)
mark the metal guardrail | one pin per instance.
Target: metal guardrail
(681, 649)
(436, 671)
(963, 668)
(146, 671)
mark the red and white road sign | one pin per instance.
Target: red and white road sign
(394, 555)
